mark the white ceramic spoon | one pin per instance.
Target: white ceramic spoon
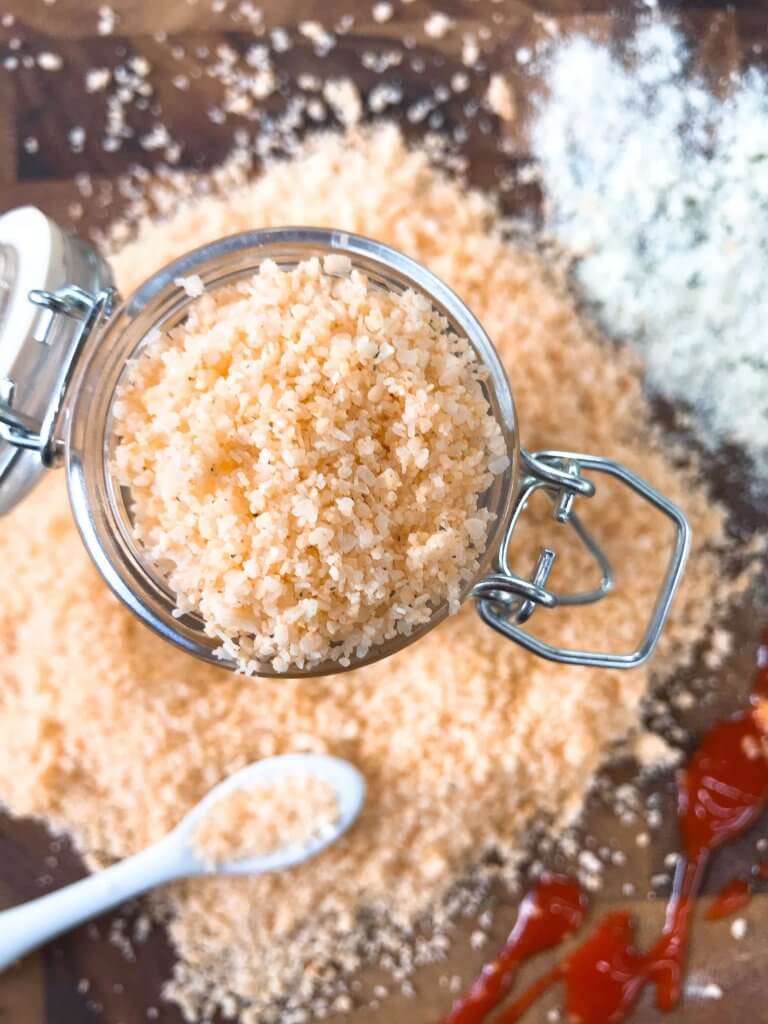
(30, 925)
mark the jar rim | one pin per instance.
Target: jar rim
(99, 504)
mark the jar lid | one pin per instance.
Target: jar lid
(50, 282)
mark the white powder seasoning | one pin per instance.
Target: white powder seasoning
(662, 188)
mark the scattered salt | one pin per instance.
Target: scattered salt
(49, 61)
(323, 41)
(470, 50)
(106, 21)
(192, 284)
(653, 752)
(343, 97)
(500, 98)
(76, 137)
(438, 25)
(739, 928)
(97, 79)
(707, 991)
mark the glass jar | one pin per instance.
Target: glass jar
(64, 346)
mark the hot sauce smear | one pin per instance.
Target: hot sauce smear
(722, 790)
(732, 897)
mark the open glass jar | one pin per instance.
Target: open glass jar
(65, 342)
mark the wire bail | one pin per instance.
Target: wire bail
(506, 601)
(85, 311)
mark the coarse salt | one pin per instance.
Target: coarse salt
(337, 263)
(97, 79)
(49, 61)
(438, 25)
(192, 284)
(239, 432)
(287, 811)
(500, 98)
(343, 98)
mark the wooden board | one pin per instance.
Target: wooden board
(46, 106)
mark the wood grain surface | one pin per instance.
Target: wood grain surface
(177, 37)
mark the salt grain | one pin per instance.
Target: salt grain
(710, 991)
(460, 81)
(470, 50)
(500, 98)
(76, 137)
(589, 862)
(337, 263)
(653, 752)
(49, 61)
(343, 97)
(106, 21)
(438, 25)
(97, 79)
(192, 284)
(322, 40)
(739, 928)
(280, 39)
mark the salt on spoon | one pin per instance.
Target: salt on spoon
(178, 855)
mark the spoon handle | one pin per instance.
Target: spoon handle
(25, 927)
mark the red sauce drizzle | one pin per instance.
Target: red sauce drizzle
(722, 790)
(551, 911)
(732, 897)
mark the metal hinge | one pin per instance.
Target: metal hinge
(85, 310)
(507, 601)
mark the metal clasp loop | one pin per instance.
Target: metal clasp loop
(84, 310)
(506, 601)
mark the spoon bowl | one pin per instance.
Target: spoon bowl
(346, 782)
(25, 927)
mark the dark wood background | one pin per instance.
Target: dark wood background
(174, 36)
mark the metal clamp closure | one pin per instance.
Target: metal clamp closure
(77, 312)
(506, 601)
